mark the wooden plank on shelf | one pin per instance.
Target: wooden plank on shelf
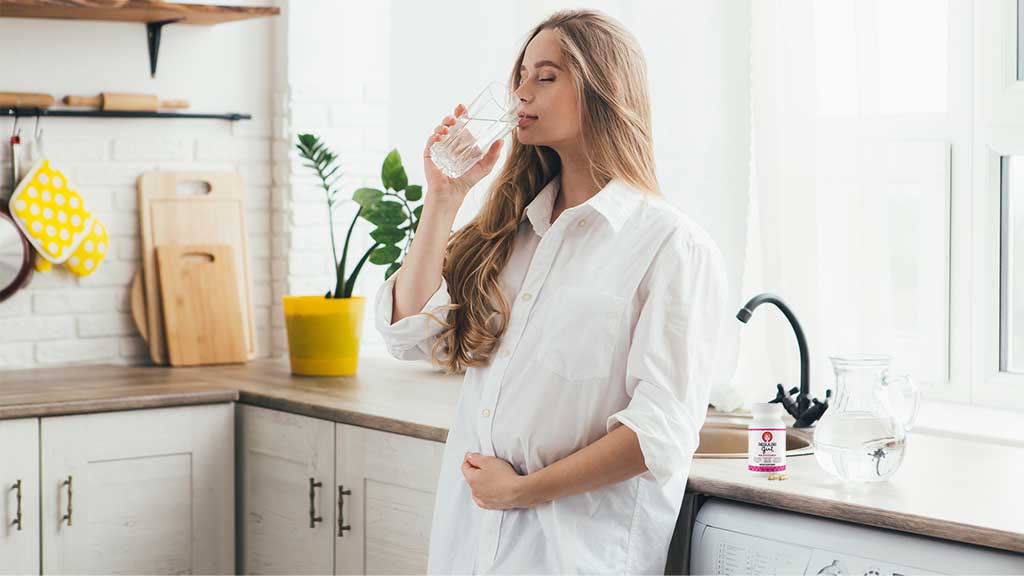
(132, 11)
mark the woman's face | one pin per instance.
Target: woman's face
(548, 112)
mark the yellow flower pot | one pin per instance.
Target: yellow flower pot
(323, 334)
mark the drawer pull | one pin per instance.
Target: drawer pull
(313, 518)
(68, 515)
(17, 516)
(341, 511)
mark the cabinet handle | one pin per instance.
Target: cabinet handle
(341, 511)
(313, 518)
(17, 517)
(68, 515)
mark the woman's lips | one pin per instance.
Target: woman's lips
(526, 121)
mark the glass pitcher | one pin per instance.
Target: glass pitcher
(862, 435)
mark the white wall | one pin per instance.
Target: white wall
(332, 61)
(367, 77)
(697, 54)
(60, 319)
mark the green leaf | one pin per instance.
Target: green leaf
(417, 212)
(413, 192)
(388, 235)
(392, 174)
(385, 213)
(392, 269)
(367, 197)
(385, 255)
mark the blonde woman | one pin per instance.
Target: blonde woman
(584, 310)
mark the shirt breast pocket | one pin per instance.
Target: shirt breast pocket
(580, 333)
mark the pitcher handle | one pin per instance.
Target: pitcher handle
(911, 395)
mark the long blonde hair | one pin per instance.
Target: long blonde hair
(610, 76)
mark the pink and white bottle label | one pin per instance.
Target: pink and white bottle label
(766, 450)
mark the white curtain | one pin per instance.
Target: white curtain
(849, 192)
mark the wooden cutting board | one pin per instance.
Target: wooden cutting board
(202, 316)
(138, 298)
(209, 209)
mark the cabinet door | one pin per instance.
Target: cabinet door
(385, 499)
(286, 476)
(142, 491)
(19, 496)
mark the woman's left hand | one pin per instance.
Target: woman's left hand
(494, 483)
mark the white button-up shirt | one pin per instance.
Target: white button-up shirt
(615, 316)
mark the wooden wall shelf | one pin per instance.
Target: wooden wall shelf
(153, 13)
(72, 113)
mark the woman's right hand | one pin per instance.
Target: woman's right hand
(453, 191)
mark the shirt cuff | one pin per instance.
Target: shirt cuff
(667, 438)
(413, 334)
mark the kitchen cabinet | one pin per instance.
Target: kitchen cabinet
(19, 490)
(141, 491)
(386, 487)
(320, 497)
(286, 480)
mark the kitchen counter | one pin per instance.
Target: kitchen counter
(934, 493)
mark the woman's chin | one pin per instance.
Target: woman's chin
(528, 139)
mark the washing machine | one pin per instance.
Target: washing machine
(736, 538)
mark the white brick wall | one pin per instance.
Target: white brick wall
(61, 319)
(348, 110)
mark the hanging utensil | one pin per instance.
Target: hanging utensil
(15, 153)
(16, 254)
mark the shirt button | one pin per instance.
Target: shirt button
(486, 412)
(527, 295)
(582, 222)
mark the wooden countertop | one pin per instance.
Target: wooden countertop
(83, 389)
(410, 398)
(950, 488)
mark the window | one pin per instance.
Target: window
(1011, 264)
(995, 234)
(1020, 39)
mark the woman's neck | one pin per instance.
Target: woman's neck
(575, 185)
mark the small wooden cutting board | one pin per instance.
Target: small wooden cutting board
(202, 315)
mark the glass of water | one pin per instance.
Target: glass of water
(490, 117)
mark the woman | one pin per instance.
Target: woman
(584, 310)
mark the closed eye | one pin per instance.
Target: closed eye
(539, 80)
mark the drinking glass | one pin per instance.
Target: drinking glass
(488, 118)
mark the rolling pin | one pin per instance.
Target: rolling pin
(125, 102)
(25, 100)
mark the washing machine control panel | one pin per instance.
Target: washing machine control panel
(833, 563)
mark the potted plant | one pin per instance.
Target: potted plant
(323, 331)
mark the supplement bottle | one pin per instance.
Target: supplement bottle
(766, 448)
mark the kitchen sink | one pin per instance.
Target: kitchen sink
(725, 436)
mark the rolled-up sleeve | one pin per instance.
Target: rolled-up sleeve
(673, 352)
(412, 337)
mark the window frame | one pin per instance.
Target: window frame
(997, 92)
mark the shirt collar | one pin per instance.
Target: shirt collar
(615, 202)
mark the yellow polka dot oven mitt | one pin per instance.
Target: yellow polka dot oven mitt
(52, 215)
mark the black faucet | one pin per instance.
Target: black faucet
(804, 409)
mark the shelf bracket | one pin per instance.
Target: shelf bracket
(153, 30)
